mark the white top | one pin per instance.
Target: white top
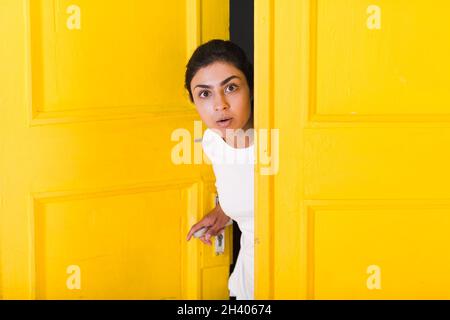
(234, 171)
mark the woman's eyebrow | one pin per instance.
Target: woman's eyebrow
(222, 83)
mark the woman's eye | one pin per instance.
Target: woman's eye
(232, 86)
(201, 94)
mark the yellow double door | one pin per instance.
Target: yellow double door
(353, 204)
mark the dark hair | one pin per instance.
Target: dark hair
(218, 50)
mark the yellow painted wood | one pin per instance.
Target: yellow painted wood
(263, 97)
(360, 207)
(92, 205)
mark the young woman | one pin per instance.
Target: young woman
(219, 79)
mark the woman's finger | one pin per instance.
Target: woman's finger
(195, 228)
(214, 231)
(202, 238)
(207, 221)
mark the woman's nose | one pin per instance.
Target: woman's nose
(220, 103)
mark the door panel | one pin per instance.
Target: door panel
(113, 38)
(379, 252)
(359, 208)
(92, 204)
(92, 231)
(378, 58)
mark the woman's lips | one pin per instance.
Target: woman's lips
(225, 123)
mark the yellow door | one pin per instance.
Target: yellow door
(360, 205)
(93, 204)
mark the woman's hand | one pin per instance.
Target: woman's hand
(215, 221)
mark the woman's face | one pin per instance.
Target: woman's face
(220, 91)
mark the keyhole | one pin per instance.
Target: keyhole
(219, 238)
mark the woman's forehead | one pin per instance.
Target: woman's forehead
(215, 73)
